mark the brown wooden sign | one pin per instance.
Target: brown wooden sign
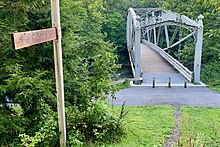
(29, 38)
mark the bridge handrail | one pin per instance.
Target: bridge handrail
(180, 67)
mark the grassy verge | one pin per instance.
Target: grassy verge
(217, 89)
(200, 126)
(123, 85)
(146, 126)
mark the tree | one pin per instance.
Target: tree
(24, 75)
(27, 76)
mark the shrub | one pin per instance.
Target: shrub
(94, 125)
(210, 74)
(47, 135)
(7, 122)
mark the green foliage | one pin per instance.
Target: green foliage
(27, 75)
(47, 135)
(211, 74)
(33, 93)
(115, 29)
(89, 70)
(89, 62)
(10, 126)
(29, 86)
(95, 125)
(188, 52)
(214, 3)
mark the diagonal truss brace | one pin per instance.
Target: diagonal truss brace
(181, 40)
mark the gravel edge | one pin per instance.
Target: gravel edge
(176, 130)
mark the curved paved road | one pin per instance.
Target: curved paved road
(176, 96)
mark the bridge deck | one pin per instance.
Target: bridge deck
(154, 65)
(152, 62)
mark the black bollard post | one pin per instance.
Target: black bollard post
(153, 82)
(185, 83)
(169, 82)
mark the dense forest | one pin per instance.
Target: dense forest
(94, 49)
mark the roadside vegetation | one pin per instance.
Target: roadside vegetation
(123, 85)
(200, 126)
(152, 126)
(146, 125)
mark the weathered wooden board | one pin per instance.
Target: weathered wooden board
(29, 38)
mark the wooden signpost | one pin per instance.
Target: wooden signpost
(25, 39)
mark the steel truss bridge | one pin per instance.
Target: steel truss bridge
(146, 27)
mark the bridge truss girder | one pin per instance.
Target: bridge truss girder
(152, 18)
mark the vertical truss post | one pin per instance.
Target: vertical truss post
(137, 51)
(131, 30)
(55, 14)
(179, 48)
(143, 33)
(198, 50)
(167, 36)
(128, 28)
(148, 35)
(146, 19)
(158, 35)
(155, 34)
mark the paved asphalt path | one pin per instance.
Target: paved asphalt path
(176, 96)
